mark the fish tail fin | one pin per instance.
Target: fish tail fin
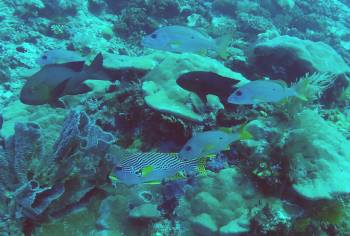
(201, 163)
(299, 90)
(222, 43)
(243, 133)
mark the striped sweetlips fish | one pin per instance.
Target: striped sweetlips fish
(153, 168)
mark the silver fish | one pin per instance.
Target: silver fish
(182, 39)
(261, 91)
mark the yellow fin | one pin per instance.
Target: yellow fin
(302, 97)
(146, 170)
(113, 178)
(244, 134)
(156, 182)
(201, 166)
(210, 155)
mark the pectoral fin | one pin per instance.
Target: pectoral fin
(81, 89)
(57, 103)
(153, 182)
(59, 89)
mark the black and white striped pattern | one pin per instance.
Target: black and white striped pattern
(159, 161)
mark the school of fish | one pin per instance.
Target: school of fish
(63, 72)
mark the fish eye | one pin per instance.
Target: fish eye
(188, 148)
(153, 36)
(139, 172)
(221, 138)
(238, 93)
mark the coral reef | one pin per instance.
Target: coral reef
(288, 58)
(163, 94)
(38, 183)
(291, 177)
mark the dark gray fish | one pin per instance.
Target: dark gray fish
(57, 80)
(203, 83)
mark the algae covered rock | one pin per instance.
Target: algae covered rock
(290, 57)
(236, 227)
(204, 224)
(221, 198)
(146, 211)
(319, 158)
(160, 71)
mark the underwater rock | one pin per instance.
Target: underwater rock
(253, 24)
(272, 218)
(236, 227)
(224, 196)
(286, 4)
(111, 208)
(46, 117)
(146, 63)
(204, 225)
(289, 58)
(147, 211)
(225, 7)
(319, 158)
(163, 93)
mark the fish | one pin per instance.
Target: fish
(203, 83)
(182, 39)
(153, 168)
(54, 81)
(263, 91)
(210, 143)
(59, 56)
